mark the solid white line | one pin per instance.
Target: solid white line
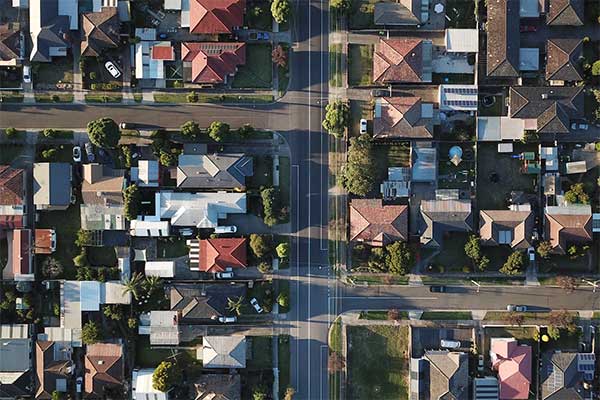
(297, 235)
(381, 298)
(309, 187)
(321, 352)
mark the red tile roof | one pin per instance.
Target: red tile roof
(212, 62)
(103, 367)
(21, 252)
(216, 16)
(43, 241)
(218, 254)
(11, 221)
(513, 363)
(398, 60)
(163, 52)
(11, 186)
(375, 224)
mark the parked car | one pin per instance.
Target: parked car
(227, 320)
(531, 253)
(363, 126)
(437, 289)
(27, 74)
(126, 125)
(224, 275)
(162, 36)
(256, 306)
(528, 28)
(79, 384)
(89, 151)
(380, 92)
(76, 154)
(516, 308)
(186, 232)
(449, 344)
(110, 67)
(226, 229)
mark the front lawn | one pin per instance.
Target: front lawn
(382, 315)
(335, 65)
(11, 97)
(452, 257)
(48, 75)
(284, 363)
(261, 354)
(284, 180)
(377, 362)
(54, 98)
(103, 98)
(360, 64)
(446, 315)
(96, 76)
(564, 263)
(257, 73)
(359, 109)
(263, 173)
(213, 98)
(258, 15)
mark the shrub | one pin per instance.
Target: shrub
(192, 97)
(131, 200)
(80, 260)
(165, 375)
(90, 333)
(399, 258)
(49, 133)
(513, 264)
(10, 131)
(283, 250)
(93, 75)
(596, 68)
(260, 245)
(264, 267)
(51, 268)
(49, 154)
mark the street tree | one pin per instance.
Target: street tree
(289, 393)
(270, 202)
(217, 130)
(132, 285)
(337, 114)
(513, 264)
(359, 175)
(343, 6)
(190, 129)
(104, 133)
(568, 283)
(399, 258)
(245, 131)
(283, 299)
(279, 56)
(283, 250)
(280, 9)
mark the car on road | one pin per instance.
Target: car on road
(450, 344)
(363, 126)
(437, 289)
(380, 92)
(110, 67)
(528, 28)
(27, 74)
(76, 154)
(516, 308)
(126, 125)
(226, 229)
(224, 275)
(227, 320)
(256, 306)
(79, 384)
(89, 151)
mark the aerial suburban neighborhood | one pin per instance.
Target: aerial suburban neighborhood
(278, 200)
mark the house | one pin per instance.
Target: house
(15, 361)
(104, 368)
(211, 62)
(51, 186)
(201, 210)
(514, 228)
(563, 63)
(149, 227)
(162, 326)
(50, 22)
(201, 303)
(567, 375)
(440, 374)
(10, 46)
(99, 217)
(216, 255)
(198, 170)
(146, 174)
(12, 197)
(546, 109)
(402, 13)
(406, 60)
(45, 241)
(402, 117)
(162, 269)
(458, 97)
(53, 368)
(20, 256)
(102, 185)
(565, 12)
(224, 351)
(514, 365)
(503, 38)
(567, 225)
(439, 217)
(100, 31)
(212, 17)
(217, 387)
(142, 388)
(376, 224)
(150, 63)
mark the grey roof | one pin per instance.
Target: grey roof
(446, 375)
(565, 12)
(564, 60)
(405, 12)
(203, 301)
(53, 31)
(441, 216)
(503, 38)
(218, 387)
(224, 351)
(52, 184)
(561, 377)
(14, 355)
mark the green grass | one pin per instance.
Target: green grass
(172, 248)
(259, 16)
(380, 315)
(59, 134)
(263, 173)
(390, 155)
(446, 315)
(452, 255)
(59, 70)
(335, 336)
(379, 280)
(233, 99)
(11, 97)
(138, 97)
(284, 179)
(64, 153)
(563, 263)
(361, 15)
(146, 357)
(283, 349)
(502, 315)
(283, 76)
(360, 64)
(596, 315)
(103, 98)
(359, 109)
(284, 287)
(54, 98)
(377, 362)
(9, 152)
(495, 109)
(101, 256)
(257, 73)
(262, 355)
(335, 61)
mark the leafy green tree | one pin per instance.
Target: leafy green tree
(51, 268)
(49, 154)
(104, 133)
(90, 333)
(280, 9)
(399, 258)
(85, 273)
(283, 299)
(84, 238)
(10, 131)
(336, 118)
(132, 323)
(190, 129)
(56, 395)
(234, 304)
(49, 133)
(342, 6)
(133, 285)
(152, 284)
(473, 249)
(513, 264)
(167, 158)
(377, 259)
(192, 97)
(131, 202)
(553, 332)
(544, 248)
(270, 202)
(260, 245)
(596, 68)
(359, 175)
(165, 376)
(264, 267)
(577, 195)
(283, 250)
(80, 260)
(218, 130)
(113, 311)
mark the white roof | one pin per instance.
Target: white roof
(462, 40)
(162, 269)
(505, 147)
(90, 295)
(142, 227)
(529, 59)
(147, 173)
(62, 335)
(496, 129)
(14, 331)
(143, 387)
(71, 305)
(113, 293)
(458, 97)
(576, 167)
(172, 5)
(145, 66)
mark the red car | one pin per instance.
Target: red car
(528, 28)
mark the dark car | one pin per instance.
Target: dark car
(380, 92)
(437, 289)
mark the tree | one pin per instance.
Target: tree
(544, 248)
(104, 133)
(513, 318)
(577, 195)
(399, 258)
(279, 56)
(10, 131)
(264, 267)
(342, 6)
(167, 158)
(131, 201)
(596, 68)
(553, 332)
(260, 245)
(132, 323)
(49, 133)
(234, 304)
(562, 320)
(218, 130)
(85, 273)
(270, 202)
(84, 238)
(192, 97)
(336, 118)
(568, 283)
(283, 250)
(393, 314)
(80, 260)
(283, 299)
(289, 393)
(377, 259)
(165, 375)
(49, 154)
(56, 395)
(259, 393)
(51, 268)
(359, 175)
(132, 285)
(152, 284)
(280, 9)
(190, 129)
(473, 251)
(90, 333)
(113, 311)
(513, 264)
(483, 263)
(245, 131)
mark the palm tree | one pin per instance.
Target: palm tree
(132, 285)
(234, 305)
(152, 283)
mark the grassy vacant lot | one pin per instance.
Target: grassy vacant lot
(361, 15)
(360, 64)
(335, 65)
(494, 195)
(461, 14)
(258, 71)
(172, 247)
(446, 315)
(46, 75)
(377, 362)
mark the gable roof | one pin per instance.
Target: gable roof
(377, 224)
(441, 216)
(563, 62)
(448, 375)
(404, 12)
(503, 38)
(561, 376)
(565, 12)
(104, 367)
(495, 223)
(48, 28)
(398, 60)
(224, 351)
(51, 184)
(212, 62)
(21, 247)
(100, 30)
(11, 186)
(196, 302)
(10, 43)
(49, 370)
(218, 387)
(102, 185)
(568, 224)
(216, 16)
(215, 255)
(513, 363)
(401, 117)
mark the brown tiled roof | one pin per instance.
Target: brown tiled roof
(519, 223)
(100, 30)
(562, 61)
(503, 38)
(11, 186)
(565, 12)
(401, 117)
(43, 241)
(216, 16)
(47, 369)
(103, 367)
(398, 60)
(566, 225)
(10, 42)
(21, 252)
(212, 62)
(102, 185)
(376, 224)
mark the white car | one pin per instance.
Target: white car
(256, 306)
(363, 126)
(227, 320)
(224, 275)
(79, 384)
(449, 344)
(27, 74)
(110, 67)
(186, 232)
(76, 154)
(226, 229)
